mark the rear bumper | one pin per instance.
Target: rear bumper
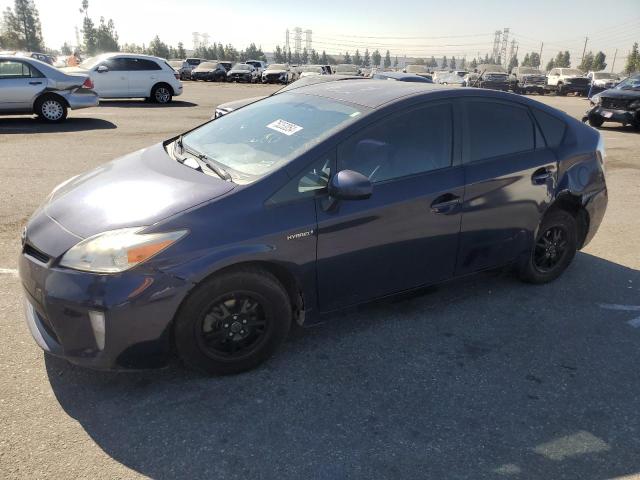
(81, 98)
(101, 321)
(596, 206)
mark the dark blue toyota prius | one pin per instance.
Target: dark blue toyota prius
(212, 244)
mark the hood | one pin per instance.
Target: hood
(138, 189)
(621, 94)
(247, 72)
(272, 72)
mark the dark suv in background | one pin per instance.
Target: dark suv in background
(527, 80)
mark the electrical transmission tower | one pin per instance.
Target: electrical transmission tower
(205, 40)
(196, 40)
(496, 45)
(287, 45)
(503, 50)
(297, 40)
(308, 44)
(511, 53)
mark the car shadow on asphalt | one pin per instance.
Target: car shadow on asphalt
(141, 103)
(484, 377)
(33, 125)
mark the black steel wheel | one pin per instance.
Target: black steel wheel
(233, 322)
(596, 121)
(553, 250)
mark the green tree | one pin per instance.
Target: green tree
(551, 64)
(65, 49)
(180, 52)
(21, 28)
(395, 62)
(432, 62)
(277, 55)
(357, 59)
(463, 65)
(106, 37)
(376, 58)
(444, 63)
(487, 59)
(513, 63)
(599, 62)
(587, 62)
(387, 60)
(158, 48)
(347, 58)
(473, 64)
(419, 61)
(366, 61)
(323, 58)
(289, 57)
(305, 56)
(452, 63)
(315, 58)
(633, 60)
(526, 61)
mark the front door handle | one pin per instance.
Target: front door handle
(445, 204)
(541, 175)
(35, 83)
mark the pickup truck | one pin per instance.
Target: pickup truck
(568, 80)
(527, 80)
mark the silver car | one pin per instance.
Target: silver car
(28, 85)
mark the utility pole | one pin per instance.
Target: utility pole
(584, 50)
(540, 56)
(614, 60)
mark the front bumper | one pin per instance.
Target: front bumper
(80, 98)
(118, 321)
(576, 88)
(625, 117)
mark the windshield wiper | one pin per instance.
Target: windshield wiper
(208, 161)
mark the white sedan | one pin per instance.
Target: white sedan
(122, 75)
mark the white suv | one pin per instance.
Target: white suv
(122, 75)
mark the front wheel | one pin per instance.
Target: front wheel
(595, 121)
(233, 322)
(161, 93)
(554, 248)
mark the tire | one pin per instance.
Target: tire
(541, 92)
(161, 93)
(551, 255)
(208, 336)
(51, 109)
(596, 121)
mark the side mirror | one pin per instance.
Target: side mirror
(350, 185)
(103, 69)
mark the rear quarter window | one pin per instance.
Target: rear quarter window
(552, 127)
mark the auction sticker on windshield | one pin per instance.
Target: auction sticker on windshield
(285, 127)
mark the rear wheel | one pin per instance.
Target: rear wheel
(51, 109)
(233, 322)
(553, 250)
(161, 93)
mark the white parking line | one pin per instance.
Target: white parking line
(635, 323)
(9, 271)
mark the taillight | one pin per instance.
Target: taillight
(88, 83)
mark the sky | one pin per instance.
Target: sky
(406, 27)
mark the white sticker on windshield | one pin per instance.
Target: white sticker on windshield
(285, 127)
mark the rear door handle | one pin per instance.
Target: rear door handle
(541, 175)
(35, 83)
(445, 204)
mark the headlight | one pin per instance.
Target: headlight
(118, 250)
(597, 99)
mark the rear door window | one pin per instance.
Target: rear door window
(496, 129)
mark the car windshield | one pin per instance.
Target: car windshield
(571, 71)
(346, 69)
(311, 68)
(90, 62)
(529, 71)
(264, 136)
(207, 66)
(631, 83)
(277, 66)
(416, 69)
(604, 75)
(193, 61)
(241, 66)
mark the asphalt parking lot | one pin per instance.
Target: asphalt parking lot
(482, 378)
